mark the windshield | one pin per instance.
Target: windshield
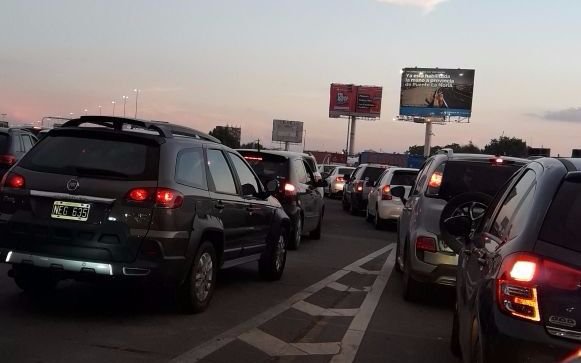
(561, 224)
(406, 178)
(267, 167)
(343, 171)
(371, 174)
(474, 176)
(94, 157)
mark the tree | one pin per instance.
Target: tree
(419, 150)
(229, 136)
(252, 145)
(507, 146)
(469, 148)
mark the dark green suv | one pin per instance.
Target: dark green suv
(114, 198)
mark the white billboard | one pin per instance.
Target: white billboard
(287, 131)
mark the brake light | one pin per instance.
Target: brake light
(8, 160)
(168, 198)
(424, 243)
(358, 186)
(340, 179)
(561, 277)
(14, 181)
(162, 197)
(256, 158)
(386, 193)
(290, 190)
(516, 286)
(138, 194)
(435, 180)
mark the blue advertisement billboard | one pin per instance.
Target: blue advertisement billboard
(436, 92)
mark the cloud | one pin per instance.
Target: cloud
(426, 5)
(572, 114)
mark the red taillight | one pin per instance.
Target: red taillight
(340, 179)
(289, 190)
(516, 286)
(358, 186)
(162, 197)
(424, 243)
(386, 193)
(8, 160)
(559, 276)
(14, 181)
(168, 198)
(138, 194)
(435, 180)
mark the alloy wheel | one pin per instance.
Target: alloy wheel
(204, 275)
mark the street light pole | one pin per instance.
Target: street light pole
(125, 98)
(86, 111)
(100, 113)
(136, 90)
(113, 102)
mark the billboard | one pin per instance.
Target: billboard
(436, 92)
(287, 131)
(352, 100)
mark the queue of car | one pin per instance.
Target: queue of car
(503, 232)
(108, 198)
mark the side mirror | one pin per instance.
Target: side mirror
(399, 191)
(459, 226)
(272, 186)
(249, 190)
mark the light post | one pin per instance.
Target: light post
(113, 103)
(125, 98)
(86, 111)
(71, 114)
(100, 111)
(136, 90)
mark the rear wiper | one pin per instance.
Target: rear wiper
(81, 171)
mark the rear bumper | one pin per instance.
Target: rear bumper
(389, 210)
(335, 188)
(507, 339)
(358, 201)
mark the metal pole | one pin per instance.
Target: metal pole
(348, 130)
(428, 139)
(286, 144)
(124, 103)
(136, 98)
(352, 135)
(305, 140)
(114, 103)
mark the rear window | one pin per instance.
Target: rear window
(268, 167)
(371, 174)
(311, 164)
(328, 168)
(344, 171)
(406, 178)
(3, 142)
(470, 176)
(94, 157)
(561, 226)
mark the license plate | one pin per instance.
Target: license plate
(70, 211)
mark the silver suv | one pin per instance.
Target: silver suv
(466, 182)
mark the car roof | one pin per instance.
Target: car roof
(397, 168)
(572, 164)
(286, 154)
(382, 166)
(482, 157)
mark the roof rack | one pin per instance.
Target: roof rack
(165, 129)
(446, 151)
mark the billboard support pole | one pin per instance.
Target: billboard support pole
(428, 139)
(352, 135)
(286, 146)
(348, 131)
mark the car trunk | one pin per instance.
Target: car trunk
(560, 243)
(77, 204)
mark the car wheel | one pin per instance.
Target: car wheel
(296, 234)
(477, 354)
(378, 222)
(316, 233)
(34, 281)
(271, 265)
(195, 293)
(353, 210)
(411, 287)
(455, 337)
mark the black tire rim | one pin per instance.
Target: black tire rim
(298, 231)
(280, 253)
(204, 276)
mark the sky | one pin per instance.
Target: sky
(245, 63)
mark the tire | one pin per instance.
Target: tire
(455, 337)
(378, 222)
(271, 264)
(316, 233)
(195, 294)
(352, 209)
(397, 254)
(476, 355)
(34, 281)
(411, 287)
(296, 234)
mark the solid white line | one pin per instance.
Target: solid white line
(209, 347)
(361, 270)
(269, 344)
(316, 310)
(319, 348)
(352, 339)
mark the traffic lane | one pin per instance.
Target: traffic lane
(402, 331)
(96, 323)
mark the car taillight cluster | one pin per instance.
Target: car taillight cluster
(289, 190)
(386, 193)
(161, 197)
(7, 160)
(424, 243)
(358, 186)
(13, 181)
(340, 179)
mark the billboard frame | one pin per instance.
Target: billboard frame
(298, 138)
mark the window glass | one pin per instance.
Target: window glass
(561, 226)
(311, 164)
(248, 182)
(300, 172)
(27, 142)
(190, 168)
(221, 173)
(406, 178)
(509, 221)
(310, 176)
(268, 167)
(343, 171)
(3, 142)
(371, 174)
(421, 178)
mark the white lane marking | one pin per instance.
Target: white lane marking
(316, 310)
(342, 288)
(319, 348)
(352, 339)
(270, 345)
(197, 353)
(363, 271)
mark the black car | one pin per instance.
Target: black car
(114, 198)
(298, 189)
(519, 276)
(14, 143)
(358, 185)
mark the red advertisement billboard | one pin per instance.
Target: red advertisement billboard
(352, 100)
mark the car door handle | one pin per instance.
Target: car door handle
(219, 205)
